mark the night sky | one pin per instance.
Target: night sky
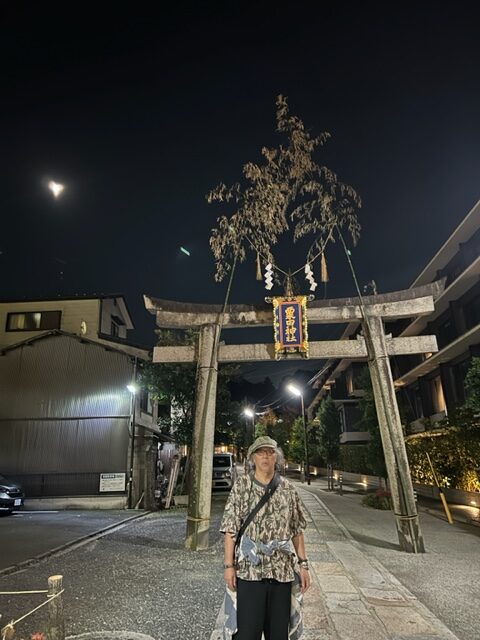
(140, 112)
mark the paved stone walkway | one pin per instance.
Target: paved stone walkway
(353, 597)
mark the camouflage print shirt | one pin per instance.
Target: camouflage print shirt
(282, 518)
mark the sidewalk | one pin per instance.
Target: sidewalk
(354, 597)
(444, 579)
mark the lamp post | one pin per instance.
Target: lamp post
(298, 392)
(132, 388)
(250, 413)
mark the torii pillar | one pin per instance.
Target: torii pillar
(374, 347)
(201, 461)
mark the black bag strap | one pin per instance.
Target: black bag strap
(269, 491)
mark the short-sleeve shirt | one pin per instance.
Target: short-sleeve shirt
(282, 518)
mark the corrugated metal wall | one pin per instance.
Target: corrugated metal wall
(64, 409)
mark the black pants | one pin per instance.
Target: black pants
(263, 606)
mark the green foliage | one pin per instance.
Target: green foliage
(174, 385)
(296, 450)
(381, 499)
(454, 449)
(472, 386)
(355, 459)
(261, 430)
(328, 431)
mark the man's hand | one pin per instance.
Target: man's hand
(305, 579)
(230, 577)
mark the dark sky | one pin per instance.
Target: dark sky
(140, 112)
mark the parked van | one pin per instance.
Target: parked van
(224, 471)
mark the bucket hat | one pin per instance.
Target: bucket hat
(262, 441)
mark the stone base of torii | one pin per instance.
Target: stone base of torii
(373, 345)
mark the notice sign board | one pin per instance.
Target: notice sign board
(112, 482)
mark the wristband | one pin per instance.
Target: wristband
(228, 566)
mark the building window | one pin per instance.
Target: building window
(472, 312)
(114, 330)
(146, 404)
(34, 321)
(445, 333)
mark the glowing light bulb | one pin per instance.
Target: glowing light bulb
(56, 188)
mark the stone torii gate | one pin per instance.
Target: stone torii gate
(373, 345)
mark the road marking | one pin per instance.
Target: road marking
(29, 513)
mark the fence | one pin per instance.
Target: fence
(54, 603)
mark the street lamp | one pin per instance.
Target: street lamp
(299, 393)
(133, 389)
(250, 413)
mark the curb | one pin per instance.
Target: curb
(20, 566)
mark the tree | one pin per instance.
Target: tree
(174, 385)
(329, 431)
(261, 429)
(472, 386)
(296, 449)
(287, 191)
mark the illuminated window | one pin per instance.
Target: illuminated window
(437, 395)
(34, 321)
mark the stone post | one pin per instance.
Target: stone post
(405, 509)
(201, 468)
(56, 620)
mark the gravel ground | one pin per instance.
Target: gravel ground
(445, 579)
(138, 579)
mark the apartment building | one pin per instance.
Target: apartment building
(428, 385)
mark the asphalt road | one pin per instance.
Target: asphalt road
(138, 579)
(26, 534)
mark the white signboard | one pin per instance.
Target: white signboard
(112, 482)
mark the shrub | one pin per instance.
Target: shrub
(381, 499)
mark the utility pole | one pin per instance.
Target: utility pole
(299, 393)
(133, 401)
(305, 435)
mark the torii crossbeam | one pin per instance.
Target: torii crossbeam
(374, 346)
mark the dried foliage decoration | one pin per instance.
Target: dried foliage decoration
(287, 192)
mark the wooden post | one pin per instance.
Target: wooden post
(398, 469)
(440, 491)
(172, 481)
(56, 621)
(200, 485)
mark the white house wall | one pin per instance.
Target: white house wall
(74, 313)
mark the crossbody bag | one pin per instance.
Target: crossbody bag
(269, 491)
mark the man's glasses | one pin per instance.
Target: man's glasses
(265, 452)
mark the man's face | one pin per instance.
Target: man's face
(265, 459)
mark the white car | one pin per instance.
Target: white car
(224, 471)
